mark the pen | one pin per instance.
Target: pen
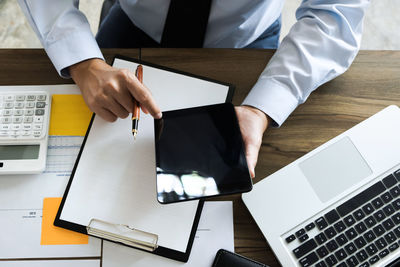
(136, 105)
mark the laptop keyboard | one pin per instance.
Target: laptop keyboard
(360, 232)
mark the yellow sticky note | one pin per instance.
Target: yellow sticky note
(69, 115)
(52, 235)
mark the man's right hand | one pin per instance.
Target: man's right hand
(109, 92)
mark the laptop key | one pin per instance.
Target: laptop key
(309, 260)
(303, 238)
(351, 233)
(368, 209)
(350, 248)
(388, 224)
(330, 232)
(395, 191)
(383, 253)
(332, 216)
(396, 204)
(304, 248)
(369, 236)
(388, 210)
(364, 264)
(300, 233)
(371, 249)
(320, 238)
(393, 247)
(359, 214)
(386, 197)
(321, 264)
(340, 254)
(396, 218)
(390, 237)
(397, 175)
(360, 199)
(339, 226)
(341, 240)
(397, 231)
(360, 227)
(332, 245)
(370, 221)
(378, 230)
(374, 259)
(331, 260)
(352, 261)
(360, 242)
(377, 203)
(290, 238)
(310, 226)
(380, 243)
(349, 220)
(362, 255)
(321, 223)
(379, 215)
(322, 252)
(389, 181)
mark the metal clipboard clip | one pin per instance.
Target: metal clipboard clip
(123, 234)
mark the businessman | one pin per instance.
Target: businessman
(320, 46)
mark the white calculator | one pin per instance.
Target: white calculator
(24, 124)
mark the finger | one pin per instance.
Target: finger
(125, 99)
(116, 108)
(106, 115)
(143, 95)
(251, 157)
(145, 110)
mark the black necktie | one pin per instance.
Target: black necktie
(186, 23)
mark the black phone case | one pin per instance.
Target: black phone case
(225, 258)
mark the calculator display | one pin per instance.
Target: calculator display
(16, 152)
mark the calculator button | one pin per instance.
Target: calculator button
(26, 133)
(7, 112)
(30, 105)
(9, 105)
(40, 104)
(9, 98)
(17, 120)
(26, 126)
(20, 97)
(28, 119)
(41, 97)
(38, 119)
(5, 127)
(12, 133)
(18, 112)
(29, 112)
(6, 120)
(16, 127)
(19, 105)
(3, 133)
(39, 112)
(37, 133)
(31, 97)
(37, 127)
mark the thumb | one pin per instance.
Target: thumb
(251, 157)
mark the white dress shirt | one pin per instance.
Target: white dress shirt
(320, 46)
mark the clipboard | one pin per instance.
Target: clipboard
(102, 199)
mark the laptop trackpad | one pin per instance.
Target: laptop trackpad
(335, 169)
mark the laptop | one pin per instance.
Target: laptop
(338, 205)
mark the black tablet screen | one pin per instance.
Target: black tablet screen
(200, 153)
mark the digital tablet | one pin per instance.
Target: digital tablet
(199, 154)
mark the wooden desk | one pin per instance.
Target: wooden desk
(372, 83)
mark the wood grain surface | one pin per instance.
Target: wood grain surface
(371, 83)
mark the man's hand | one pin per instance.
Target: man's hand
(253, 123)
(109, 92)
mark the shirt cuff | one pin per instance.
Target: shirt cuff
(274, 99)
(74, 48)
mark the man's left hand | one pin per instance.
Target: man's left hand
(253, 123)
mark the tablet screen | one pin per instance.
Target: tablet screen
(200, 153)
